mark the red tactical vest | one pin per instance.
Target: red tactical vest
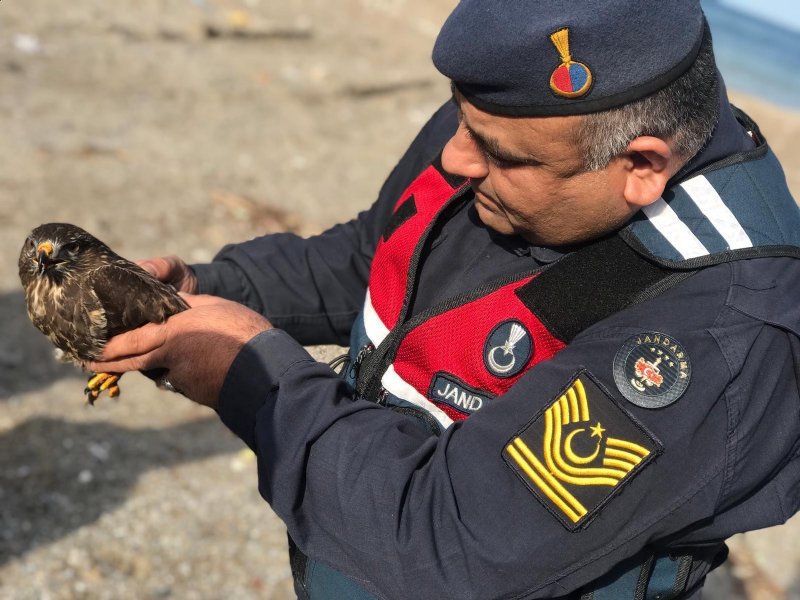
(453, 361)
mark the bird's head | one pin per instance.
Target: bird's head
(57, 248)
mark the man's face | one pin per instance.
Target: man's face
(528, 177)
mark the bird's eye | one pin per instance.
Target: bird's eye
(31, 243)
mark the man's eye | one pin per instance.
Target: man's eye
(500, 162)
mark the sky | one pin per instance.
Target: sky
(782, 12)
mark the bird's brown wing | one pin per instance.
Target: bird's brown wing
(131, 297)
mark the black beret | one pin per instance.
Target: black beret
(566, 57)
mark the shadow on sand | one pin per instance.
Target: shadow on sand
(27, 358)
(57, 476)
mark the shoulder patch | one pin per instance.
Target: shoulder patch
(580, 451)
(507, 349)
(652, 369)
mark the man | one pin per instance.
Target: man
(575, 372)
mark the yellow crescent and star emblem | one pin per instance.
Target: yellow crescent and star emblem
(582, 449)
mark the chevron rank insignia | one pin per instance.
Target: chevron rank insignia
(580, 452)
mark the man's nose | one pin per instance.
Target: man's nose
(462, 156)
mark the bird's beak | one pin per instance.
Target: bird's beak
(43, 253)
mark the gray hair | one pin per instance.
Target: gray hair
(684, 113)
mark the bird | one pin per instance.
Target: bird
(80, 294)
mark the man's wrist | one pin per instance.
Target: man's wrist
(217, 279)
(253, 375)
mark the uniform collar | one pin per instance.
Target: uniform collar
(729, 138)
(543, 255)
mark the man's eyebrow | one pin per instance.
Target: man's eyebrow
(488, 145)
(493, 148)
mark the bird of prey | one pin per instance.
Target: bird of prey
(80, 294)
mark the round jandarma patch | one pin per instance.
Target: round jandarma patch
(652, 370)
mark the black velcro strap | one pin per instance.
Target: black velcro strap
(454, 181)
(591, 284)
(403, 213)
(298, 563)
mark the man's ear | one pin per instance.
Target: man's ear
(651, 162)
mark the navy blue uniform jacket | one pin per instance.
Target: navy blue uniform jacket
(371, 493)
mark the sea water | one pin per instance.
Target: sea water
(757, 54)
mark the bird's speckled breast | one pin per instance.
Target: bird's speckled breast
(71, 317)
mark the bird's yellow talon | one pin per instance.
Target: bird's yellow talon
(110, 381)
(91, 396)
(100, 382)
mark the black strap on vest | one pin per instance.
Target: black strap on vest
(671, 575)
(298, 562)
(593, 283)
(568, 296)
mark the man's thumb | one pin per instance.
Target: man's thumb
(149, 266)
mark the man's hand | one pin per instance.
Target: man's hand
(172, 270)
(196, 346)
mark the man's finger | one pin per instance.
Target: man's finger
(195, 300)
(134, 363)
(160, 267)
(147, 338)
(149, 266)
(163, 268)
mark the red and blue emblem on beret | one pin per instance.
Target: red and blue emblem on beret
(571, 79)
